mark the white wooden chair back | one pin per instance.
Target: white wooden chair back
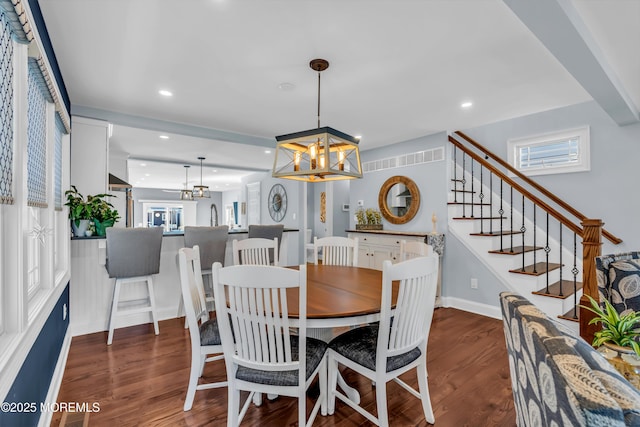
(258, 313)
(255, 251)
(192, 291)
(409, 250)
(197, 316)
(414, 308)
(336, 250)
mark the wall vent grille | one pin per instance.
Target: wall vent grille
(426, 156)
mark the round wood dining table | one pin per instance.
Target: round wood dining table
(340, 296)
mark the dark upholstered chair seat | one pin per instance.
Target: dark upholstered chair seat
(315, 352)
(209, 334)
(360, 344)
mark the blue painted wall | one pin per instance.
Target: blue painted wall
(33, 380)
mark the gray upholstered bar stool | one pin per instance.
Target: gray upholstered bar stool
(268, 232)
(133, 255)
(212, 242)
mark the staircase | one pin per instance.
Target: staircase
(531, 240)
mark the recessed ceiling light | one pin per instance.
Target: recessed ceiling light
(466, 104)
(147, 174)
(165, 92)
(267, 151)
(358, 137)
(164, 136)
(215, 170)
(286, 86)
(143, 164)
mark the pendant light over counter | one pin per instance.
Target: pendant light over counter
(201, 191)
(186, 194)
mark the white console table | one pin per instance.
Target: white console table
(376, 246)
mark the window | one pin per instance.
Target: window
(34, 251)
(561, 152)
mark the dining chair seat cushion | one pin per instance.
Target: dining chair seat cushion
(209, 333)
(359, 345)
(315, 352)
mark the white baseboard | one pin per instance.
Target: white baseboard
(56, 380)
(472, 307)
(78, 328)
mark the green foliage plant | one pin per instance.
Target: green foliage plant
(622, 330)
(78, 207)
(101, 209)
(368, 216)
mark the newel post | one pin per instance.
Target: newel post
(591, 248)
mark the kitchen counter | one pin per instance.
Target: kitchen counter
(91, 289)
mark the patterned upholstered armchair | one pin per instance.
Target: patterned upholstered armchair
(618, 277)
(557, 378)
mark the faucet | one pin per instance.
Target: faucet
(214, 210)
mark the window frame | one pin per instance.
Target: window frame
(582, 134)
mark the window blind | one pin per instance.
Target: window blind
(57, 163)
(6, 111)
(36, 138)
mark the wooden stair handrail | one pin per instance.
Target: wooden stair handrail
(613, 239)
(554, 213)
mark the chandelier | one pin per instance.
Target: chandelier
(186, 194)
(200, 191)
(317, 155)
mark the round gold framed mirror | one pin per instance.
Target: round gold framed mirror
(399, 199)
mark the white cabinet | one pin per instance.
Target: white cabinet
(375, 248)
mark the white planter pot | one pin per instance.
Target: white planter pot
(79, 231)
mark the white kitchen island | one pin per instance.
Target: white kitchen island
(91, 289)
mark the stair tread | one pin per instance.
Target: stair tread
(539, 267)
(554, 289)
(496, 233)
(517, 250)
(570, 315)
(469, 203)
(477, 217)
(463, 191)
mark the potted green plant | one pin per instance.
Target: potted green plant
(620, 330)
(103, 213)
(368, 219)
(79, 211)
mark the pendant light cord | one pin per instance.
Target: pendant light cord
(318, 99)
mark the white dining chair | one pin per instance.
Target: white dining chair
(255, 251)
(260, 351)
(203, 329)
(336, 250)
(382, 352)
(409, 250)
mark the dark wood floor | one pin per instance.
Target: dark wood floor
(141, 380)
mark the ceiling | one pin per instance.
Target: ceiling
(399, 69)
